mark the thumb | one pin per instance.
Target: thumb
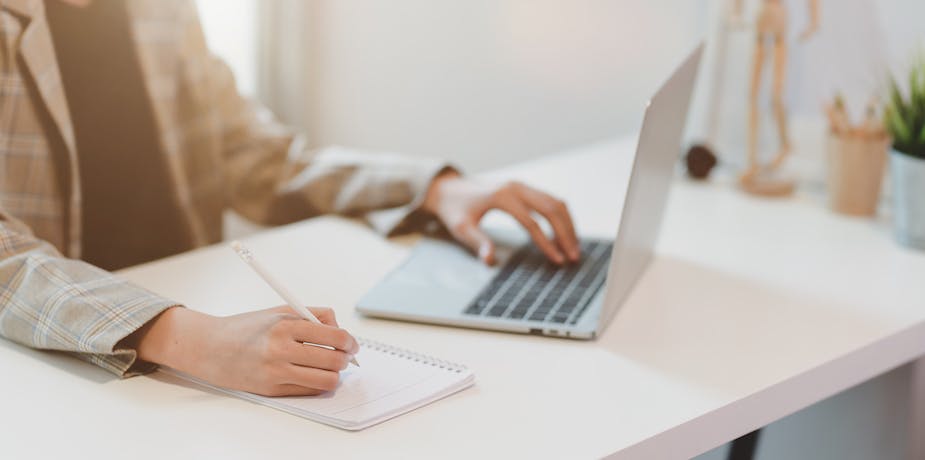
(475, 239)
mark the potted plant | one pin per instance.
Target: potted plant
(905, 121)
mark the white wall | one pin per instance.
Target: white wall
(488, 82)
(901, 21)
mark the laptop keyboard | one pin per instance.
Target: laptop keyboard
(531, 288)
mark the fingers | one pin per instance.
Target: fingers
(324, 314)
(513, 205)
(463, 203)
(285, 309)
(305, 369)
(557, 214)
(309, 377)
(288, 389)
(469, 234)
(321, 334)
(321, 358)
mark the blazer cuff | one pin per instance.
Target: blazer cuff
(409, 218)
(123, 361)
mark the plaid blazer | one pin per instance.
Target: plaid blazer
(222, 151)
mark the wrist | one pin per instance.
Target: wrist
(171, 338)
(434, 192)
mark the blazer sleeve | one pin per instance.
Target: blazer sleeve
(54, 303)
(272, 178)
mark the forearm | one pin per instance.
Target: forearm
(172, 338)
(332, 180)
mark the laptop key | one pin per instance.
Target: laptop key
(538, 316)
(518, 313)
(541, 312)
(559, 318)
(477, 307)
(521, 290)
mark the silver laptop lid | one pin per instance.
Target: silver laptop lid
(657, 152)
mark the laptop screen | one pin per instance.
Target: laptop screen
(657, 152)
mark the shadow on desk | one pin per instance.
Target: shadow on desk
(728, 334)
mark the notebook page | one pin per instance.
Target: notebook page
(397, 403)
(380, 374)
(389, 382)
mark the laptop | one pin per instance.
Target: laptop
(442, 283)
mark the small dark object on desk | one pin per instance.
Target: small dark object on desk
(700, 160)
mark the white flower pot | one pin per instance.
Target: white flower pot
(908, 176)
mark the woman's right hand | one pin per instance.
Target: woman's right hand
(260, 352)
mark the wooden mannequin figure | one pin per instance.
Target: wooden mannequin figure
(771, 34)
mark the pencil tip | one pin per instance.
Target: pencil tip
(242, 251)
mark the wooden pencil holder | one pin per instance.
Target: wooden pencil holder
(855, 172)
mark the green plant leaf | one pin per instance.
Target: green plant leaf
(917, 101)
(916, 104)
(897, 127)
(896, 100)
(904, 115)
(913, 81)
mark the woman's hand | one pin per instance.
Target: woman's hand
(461, 203)
(260, 352)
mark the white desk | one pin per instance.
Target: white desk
(753, 309)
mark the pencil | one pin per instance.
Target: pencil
(248, 257)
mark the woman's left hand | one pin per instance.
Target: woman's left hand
(460, 203)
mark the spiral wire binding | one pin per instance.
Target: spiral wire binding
(410, 355)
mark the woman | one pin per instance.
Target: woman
(122, 140)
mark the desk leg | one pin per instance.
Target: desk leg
(916, 429)
(744, 448)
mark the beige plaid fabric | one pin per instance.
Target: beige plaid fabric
(222, 151)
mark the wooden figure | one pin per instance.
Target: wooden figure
(771, 35)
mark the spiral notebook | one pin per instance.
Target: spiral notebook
(390, 382)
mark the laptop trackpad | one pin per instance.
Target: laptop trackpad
(439, 278)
